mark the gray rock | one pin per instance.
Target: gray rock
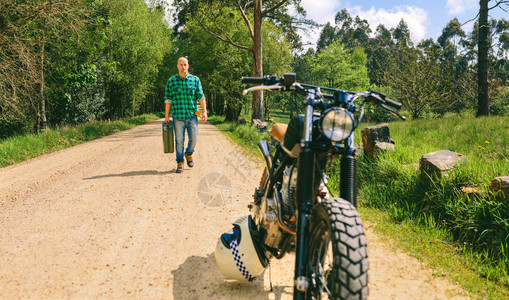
(501, 184)
(439, 163)
(377, 139)
(260, 125)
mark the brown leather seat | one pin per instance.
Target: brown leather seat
(278, 131)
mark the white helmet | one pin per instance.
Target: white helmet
(237, 255)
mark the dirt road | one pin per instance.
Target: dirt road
(110, 219)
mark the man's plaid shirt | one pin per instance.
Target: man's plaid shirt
(183, 94)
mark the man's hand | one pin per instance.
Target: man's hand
(166, 119)
(204, 117)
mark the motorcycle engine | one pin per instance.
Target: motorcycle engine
(270, 224)
(288, 191)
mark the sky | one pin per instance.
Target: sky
(425, 18)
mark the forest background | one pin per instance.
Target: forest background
(69, 62)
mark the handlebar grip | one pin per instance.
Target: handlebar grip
(254, 80)
(393, 103)
(379, 98)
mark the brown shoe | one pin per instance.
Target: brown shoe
(189, 159)
(180, 167)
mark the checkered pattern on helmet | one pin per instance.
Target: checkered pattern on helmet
(238, 260)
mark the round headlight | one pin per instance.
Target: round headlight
(337, 124)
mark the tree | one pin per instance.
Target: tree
(252, 12)
(138, 40)
(223, 66)
(327, 37)
(378, 51)
(18, 74)
(336, 67)
(483, 108)
(57, 59)
(352, 32)
(422, 83)
(33, 33)
(401, 35)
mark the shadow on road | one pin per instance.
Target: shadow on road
(129, 174)
(199, 278)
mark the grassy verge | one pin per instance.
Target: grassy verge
(477, 223)
(438, 250)
(243, 135)
(20, 148)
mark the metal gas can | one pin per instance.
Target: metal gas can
(168, 140)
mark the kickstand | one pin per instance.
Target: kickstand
(270, 279)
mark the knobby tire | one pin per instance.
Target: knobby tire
(338, 267)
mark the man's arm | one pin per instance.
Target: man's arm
(167, 112)
(203, 104)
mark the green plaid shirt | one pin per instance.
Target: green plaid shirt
(183, 94)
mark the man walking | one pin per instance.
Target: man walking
(183, 91)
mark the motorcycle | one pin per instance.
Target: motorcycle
(294, 210)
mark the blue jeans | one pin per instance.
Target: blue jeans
(180, 127)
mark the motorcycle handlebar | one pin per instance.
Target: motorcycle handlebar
(253, 80)
(289, 79)
(260, 80)
(393, 103)
(380, 98)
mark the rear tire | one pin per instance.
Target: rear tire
(338, 267)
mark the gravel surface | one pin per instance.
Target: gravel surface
(110, 219)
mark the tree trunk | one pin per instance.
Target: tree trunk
(483, 108)
(257, 101)
(43, 100)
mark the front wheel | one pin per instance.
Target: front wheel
(338, 257)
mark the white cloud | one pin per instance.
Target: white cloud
(323, 11)
(457, 7)
(320, 11)
(416, 18)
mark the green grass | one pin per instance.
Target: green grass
(277, 116)
(470, 233)
(438, 250)
(477, 224)
(243, 135)
(20, 148)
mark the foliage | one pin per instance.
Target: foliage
(69, 62)
(221, 66)
(477, 221)
(424, 84)
(32, 35)
(275, 11)
(432, 78)
(218, 65)
(500, 105)
(139, 40)
(336, 67)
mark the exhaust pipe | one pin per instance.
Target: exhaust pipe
(264, 149)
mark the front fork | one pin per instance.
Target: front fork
(305, 203)
(305, 179)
